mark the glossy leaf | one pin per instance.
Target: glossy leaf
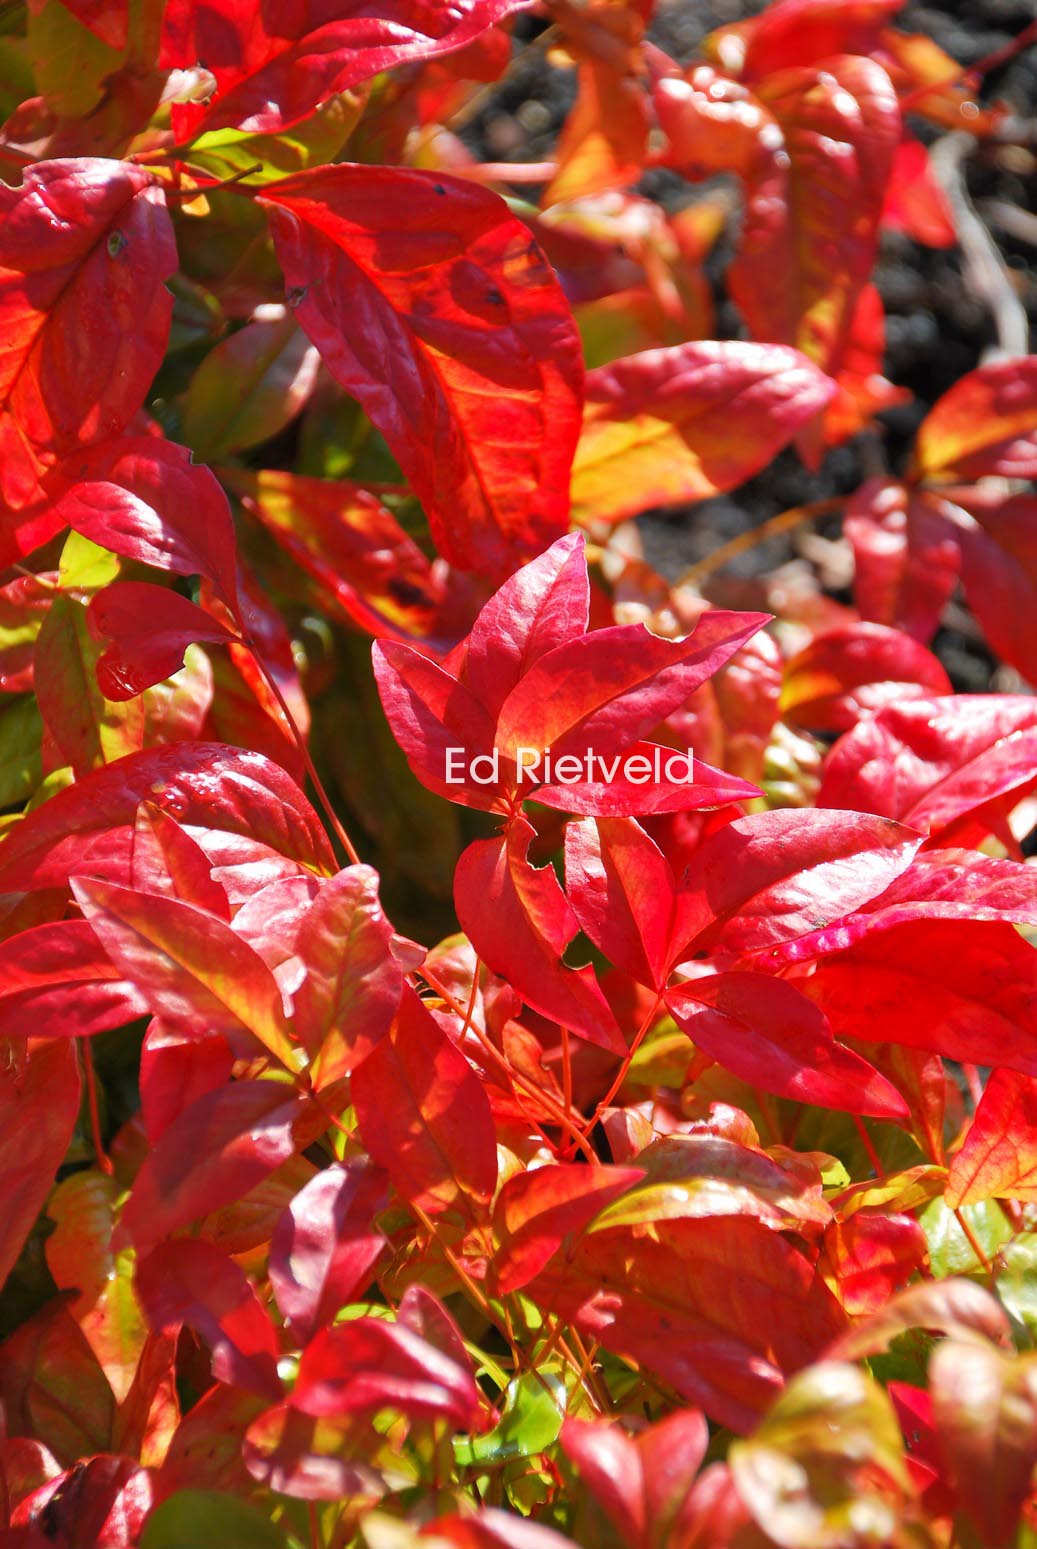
(56, 980)
(145, 632)
(520, 923)
(86, 249)
(983, 425)
(672, 425)
(39, 1103)
(406, 1094)
(325, 1246)
(144, 498)
(536, 1211)
(188, 964)
(243, 807)
(467, 360)
(273, 70)
(190, 1282)
(768, 1033)
(951, 757)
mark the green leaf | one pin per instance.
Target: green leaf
(534, 1408)
(193, 1517)
(85, 566)
(950, 1252)
(20, 770)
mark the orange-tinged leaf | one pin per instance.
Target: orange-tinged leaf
(81, 1257)
(605, 138)
(39, 1103)
(408, 1094)
(812, 214)
(188, 963)
(86, 247)
(985, 424)
(433, 306)
(998, 1158)
(535, 1211)
(682, 423)
(344, 538)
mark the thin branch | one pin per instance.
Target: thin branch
(985, 269)
(784, 522)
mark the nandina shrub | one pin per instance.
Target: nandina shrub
(499, 1050)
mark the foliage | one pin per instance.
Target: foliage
(664, 1204)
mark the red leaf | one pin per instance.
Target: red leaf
(773, 876)
(490, 1528)
(176, 1067)
(357, 552)
(672, 425)
(768, 1033)
(274, 67)
(347, 1000)
(57, 981)
(189, 964)
(634, 787)
(998, 542)
(146, 631)
(243, 808)
(543, 605)
(906, 558)
(86, 248)
(467, 359)
(189, 1281)
(722, 1309)
(804, 32)
(813, 208)
(872, 1255)
(39, 1105)
(535, 1211)
(610, 1467)
(963, 989)
(915, 202)
(623, 894)
(101, 1500)
(432, 715)
(213, 1153)
(144, 498)
(932, 763)
(998, 1157)
(166, 860)
(325, 1246)
(939, 884)
(520, 923)
(369, 1364)
(407, 1094)
(985, 424)
(844, 673)
(607, 689)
